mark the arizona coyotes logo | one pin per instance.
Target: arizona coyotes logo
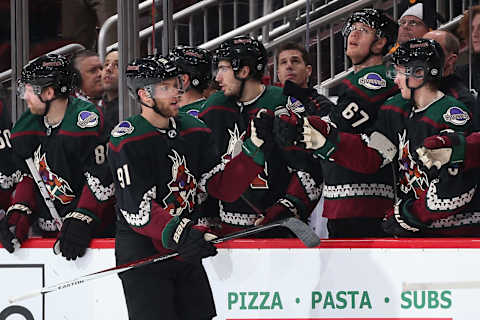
(234, 144)
(234, 148)
(412, 178)
(182, 187)
(57, 187)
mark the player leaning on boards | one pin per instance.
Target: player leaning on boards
(355, 203)
(276, 192)
(427, 205)
(60, 133)
(163, 161)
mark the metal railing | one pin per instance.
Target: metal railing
(6, 75)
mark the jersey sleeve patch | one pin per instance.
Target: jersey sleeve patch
(123, 128)
(372, 81)
(87, 119)
(456, 115)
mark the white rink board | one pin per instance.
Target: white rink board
(250, 283)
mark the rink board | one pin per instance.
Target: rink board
(268, 279)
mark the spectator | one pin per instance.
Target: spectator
(110, 87)
(276, 191)
(195, 67)
(81, 18)
(355, 203)
(60, 134)
(466, 72)
(451, 84)
(89, 67)
(412, 23)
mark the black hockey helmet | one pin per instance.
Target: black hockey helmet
(243, 51)
(421, 54)
(195, 62)
(53, 70)
(376, 19)
(145, 71)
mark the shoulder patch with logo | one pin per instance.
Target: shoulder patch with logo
(121, 129)
(193, 112)
(372, 81)
(295, 105)
(87, 119)
(456, 116)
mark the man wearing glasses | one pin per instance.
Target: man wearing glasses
(413, 23)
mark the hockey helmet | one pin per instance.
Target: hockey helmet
(421, 55)
(152, 69)
(53, 70)
(376, 19)
(243, 51)
(195, 62)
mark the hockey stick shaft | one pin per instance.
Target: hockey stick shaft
(43, 191)
(293, 224)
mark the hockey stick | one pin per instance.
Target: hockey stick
(300, 229)
(43, 191)
(412, 286)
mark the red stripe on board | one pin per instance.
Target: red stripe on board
(428, 243)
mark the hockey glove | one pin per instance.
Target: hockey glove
(400, 223)
(283, 208)
(75, 235)
(192, 244)
(262, 131)
(319, 136)
(445, 148)
(287, 127)
(14, 226)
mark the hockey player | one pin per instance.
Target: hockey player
(9, 175)
(426, 205)
(195, 65)
(276, 192)
(60, 134)
(355, 203)
(163, 162)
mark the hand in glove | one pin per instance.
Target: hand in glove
(438, 150)
(287, 127)
(283, 208)
(192, 244)
(319, 136)
(14, 227)
(262, 131)
(75, 235)
(398, 222)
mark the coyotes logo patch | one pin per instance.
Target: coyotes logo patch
(57, 187)
(234, 144)
(412, 178)
(182, 187)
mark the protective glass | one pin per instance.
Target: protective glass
(26, 90)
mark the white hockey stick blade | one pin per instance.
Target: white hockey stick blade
(413, 286)
(299, 228)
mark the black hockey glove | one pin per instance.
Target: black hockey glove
(398, 222)
(262, 131)
(287, 127)
(14, 227)
(75, 236)
(190, 243)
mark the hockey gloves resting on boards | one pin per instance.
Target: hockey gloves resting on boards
(191, 243)
(283, 208)
(14, 226)
(445, 148)
(75, 235)
(400, 223)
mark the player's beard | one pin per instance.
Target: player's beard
(166, 108)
